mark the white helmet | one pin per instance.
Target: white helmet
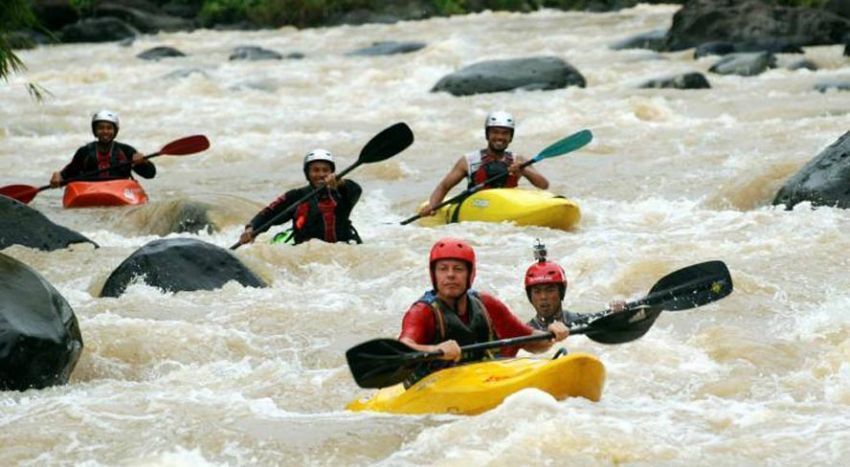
(105, 116)
(318, 155)
(499, 118)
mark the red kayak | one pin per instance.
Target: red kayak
(120, 192)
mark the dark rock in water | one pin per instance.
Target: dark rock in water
(182, 9)
(744, 64)
(98, 30)
(694, 80)
(803, 63)
(185, 73)
(172, 216)
(157, 53)
(847, 49)
(254, 53)
(55, 14)
(534, 73)
(294, 55)
(389, 48)
(180, 264)
(833, 85)
(145, 18)
(714, 48)
(824, 180)
(40, 339)
(753, 21)
(23, 225)
(652, 40)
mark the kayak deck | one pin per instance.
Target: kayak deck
(121, 192)
(478, 387)
(522, 207)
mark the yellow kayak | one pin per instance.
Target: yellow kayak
(522, 207)
(478, 387)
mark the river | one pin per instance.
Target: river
(257, 376)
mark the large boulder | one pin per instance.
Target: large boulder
(160, 52)
(98, 30)
(252, 52)
(143, 19)
(23, 225)
(40, 339)
(753, 22)
(179, 264)
(823, 180)
(534, 73)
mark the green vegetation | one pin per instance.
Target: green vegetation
(15, 15)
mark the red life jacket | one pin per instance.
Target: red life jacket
(101, 161)
(326, 208)
(481, 166)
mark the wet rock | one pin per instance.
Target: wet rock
(160, 52)
(179, 264)
(98, 30)
(23, 225)
(534, 73)
(753, 21)
(652, 40)
(388, 48)
(146, 19)
(182, 9)
(254, 53)
(714, 48)
(744, 64)
(847, 49)
(40, 339)
(801, 64)
(694, 80)
(833, 85)
(185, 73)
(173, 216)
(824, 180)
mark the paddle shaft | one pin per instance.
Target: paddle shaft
(469, 191)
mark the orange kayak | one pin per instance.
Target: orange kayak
(120, 192)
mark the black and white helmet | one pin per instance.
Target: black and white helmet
(105, 116)
(318, 155)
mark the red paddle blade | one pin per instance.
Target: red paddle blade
(22, 193)
(187, 145)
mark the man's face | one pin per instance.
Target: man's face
(317, 172)
(498, 138)
(451, 277)
(546, 299)
(104, 132)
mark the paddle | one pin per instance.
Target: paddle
(383, 362)
(180, 147)
(389, 142)
(563, 146)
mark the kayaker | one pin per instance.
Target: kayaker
(480, 165)
(452, 314)
(546, 286)
(105, 154)
(324, 216)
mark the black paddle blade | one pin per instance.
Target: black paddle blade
(691, 287)
(379, 363)
(622, 327)
(387, 143)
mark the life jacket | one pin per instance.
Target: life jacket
(316, 218)
(482, 166)
(449, 326)
(96, 161)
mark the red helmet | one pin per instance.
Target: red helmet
(452, 248)
(545, 272)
